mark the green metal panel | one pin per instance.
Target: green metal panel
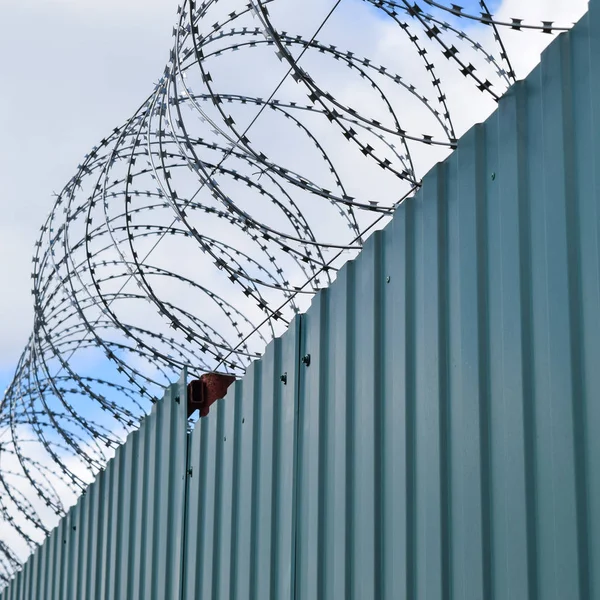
(95, 551)
(463, 345)
(239, 510)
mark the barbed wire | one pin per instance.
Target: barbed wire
(191, 235)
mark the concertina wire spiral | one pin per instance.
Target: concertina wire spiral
(192, 234)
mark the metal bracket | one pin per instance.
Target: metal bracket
(203, 392)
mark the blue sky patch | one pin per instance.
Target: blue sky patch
(471, 7)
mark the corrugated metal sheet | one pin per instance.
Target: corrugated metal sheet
(443, 431)
(123, 538)
(448, 421)
(434, 434)
(240, 540)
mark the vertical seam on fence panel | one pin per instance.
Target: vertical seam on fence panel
(409, 390)
(276, 447)
(444, 376)
(350, 429)
(295, 491)
(379, 339)
(575, 309)
(218, 509)
(527, 346)
(184, 512)
(257, 393)
(235, 482)
(323, 458)
(483, 345)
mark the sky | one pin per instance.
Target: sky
(75, 69)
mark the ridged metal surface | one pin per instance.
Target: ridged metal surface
(240, 532)
(448, 421)
(443, 434)
(441, 443)
(122, 540)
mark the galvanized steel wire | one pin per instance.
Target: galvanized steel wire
(192, 234)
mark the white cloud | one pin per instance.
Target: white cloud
(73, 70)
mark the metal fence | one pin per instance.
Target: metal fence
(122, 540)
(426, 430)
